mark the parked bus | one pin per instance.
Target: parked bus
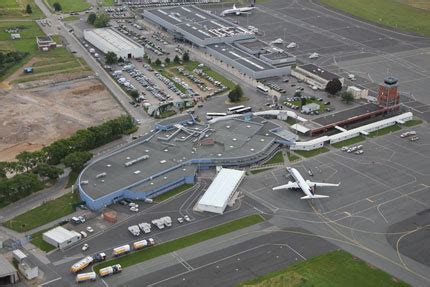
(210, 116)
(244, 110)
(262, 89)
(233, 110)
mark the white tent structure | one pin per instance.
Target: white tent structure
(61, 237)
(220, 191)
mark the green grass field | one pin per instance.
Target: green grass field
(385, 131)
(334, 269)
(277, 158)
(191, 65)
(45, 213)
(311, 153)
(182, 242)
(291, 121)
(293, 157)
(391, 13)
(71, 5)
(412, 123)
(348, 142)
(37, 239)
(15, 9)
(256, 171)
(107, 2)
(172, 192)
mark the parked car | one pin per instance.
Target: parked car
(90, 229)
(180, 220)
(187, 218)
(85, 247)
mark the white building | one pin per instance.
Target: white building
(220, 191)
(61, 237)
(108, 40)
(314, 75)
(358, 93)
(28, 269)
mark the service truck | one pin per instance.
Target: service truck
(145, 227)
(114, 269)
(134, 229)
(83, 277)
(159, 223)
(99, 257)
(140, 244)
(167, 221)
(121, 250)
(82, 264)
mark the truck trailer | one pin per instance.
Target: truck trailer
(121, 250)
(114, 269)
(81, 264)
(83, 277)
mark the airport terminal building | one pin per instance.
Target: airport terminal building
(224, 40)
(172, 155)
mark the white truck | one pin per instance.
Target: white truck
(92, 50)
(114, 269)
(140, 244)
(81, 264)
(159, 223)
(167, 221)
(145, 227)
(134, 229)
(121, 250)
(86, 277)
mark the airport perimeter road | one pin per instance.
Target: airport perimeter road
(74, 45)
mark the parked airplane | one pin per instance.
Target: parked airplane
(307, 186)
(277, 41)
(314, 56)
(239, 11)
(291, 45)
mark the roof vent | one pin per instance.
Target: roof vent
(163, 161)
(101, 175)
(251, 149)
(227, 127)
(137, 172)
(127, 157)
(262, 140)
(220, 154)
(108, 165)
(234, 139)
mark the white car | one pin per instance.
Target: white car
(90, 229)
(85, 247)
(134, 209)
(180, 220)
(359, 151)
(84, 234)
(187, 218)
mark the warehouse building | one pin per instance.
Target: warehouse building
(221, 191)
(314, 75)
(173, 153)
(108, 40)
(8, 273)
(61, 237)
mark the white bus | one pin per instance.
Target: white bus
(234, 109)
(210, 116)
(262, 89)
(244, 110)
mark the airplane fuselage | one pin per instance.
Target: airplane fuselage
(301, 182)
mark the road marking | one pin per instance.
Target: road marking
(369, 200)
(53, 280)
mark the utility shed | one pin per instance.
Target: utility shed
(61, 237)
(108, 40)
(8, 273)
(220, 191)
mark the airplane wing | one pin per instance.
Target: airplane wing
(286, 186)
(311, 183)
(314, 196)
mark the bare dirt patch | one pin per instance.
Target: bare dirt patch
(33, 118)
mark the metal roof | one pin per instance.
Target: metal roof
(60, 234)
(112, 39)
(6, 268)
(222, 187)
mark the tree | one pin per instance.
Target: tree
(134, 94)
(176, 60)
(120, 60)
(102, 20)
(111, 58)
(77, 160)
(157, 62)
(334, 86)
(303, 101)
(149, 61)
(236, 94)
(297, 95)
(28, 9)
(167, 60)
(92, 18)
(347, 97)
(57, 6)
(49, 171)
(185, 57)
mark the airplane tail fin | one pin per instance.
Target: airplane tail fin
(314, 196)
(234, 6)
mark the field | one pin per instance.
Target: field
(385, 131)
(348, 142)
(14, 9)
(45, 213)
(108, 2)
(71, 5)
(172, 192)
(412, 123)
(311, 153)
(37, 239)
(337, 268)
(55, 112)
(277, 158)
(257, 171)
(170, 246)
(403, 16)
(293, 157)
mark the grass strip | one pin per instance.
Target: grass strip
(311, 153)
(349, 142)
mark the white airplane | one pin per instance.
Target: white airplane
(307, 186)
(314, 56)
(277, 41)
(291, 45)
(238, 11)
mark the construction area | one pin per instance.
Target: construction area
(54, 111)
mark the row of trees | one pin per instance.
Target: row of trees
(32, 168)
(98, 20)
(176, 59)
(9, 59)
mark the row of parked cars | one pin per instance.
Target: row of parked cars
(171, 85)
(353, 149)
(221, 88)
(412, 135)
